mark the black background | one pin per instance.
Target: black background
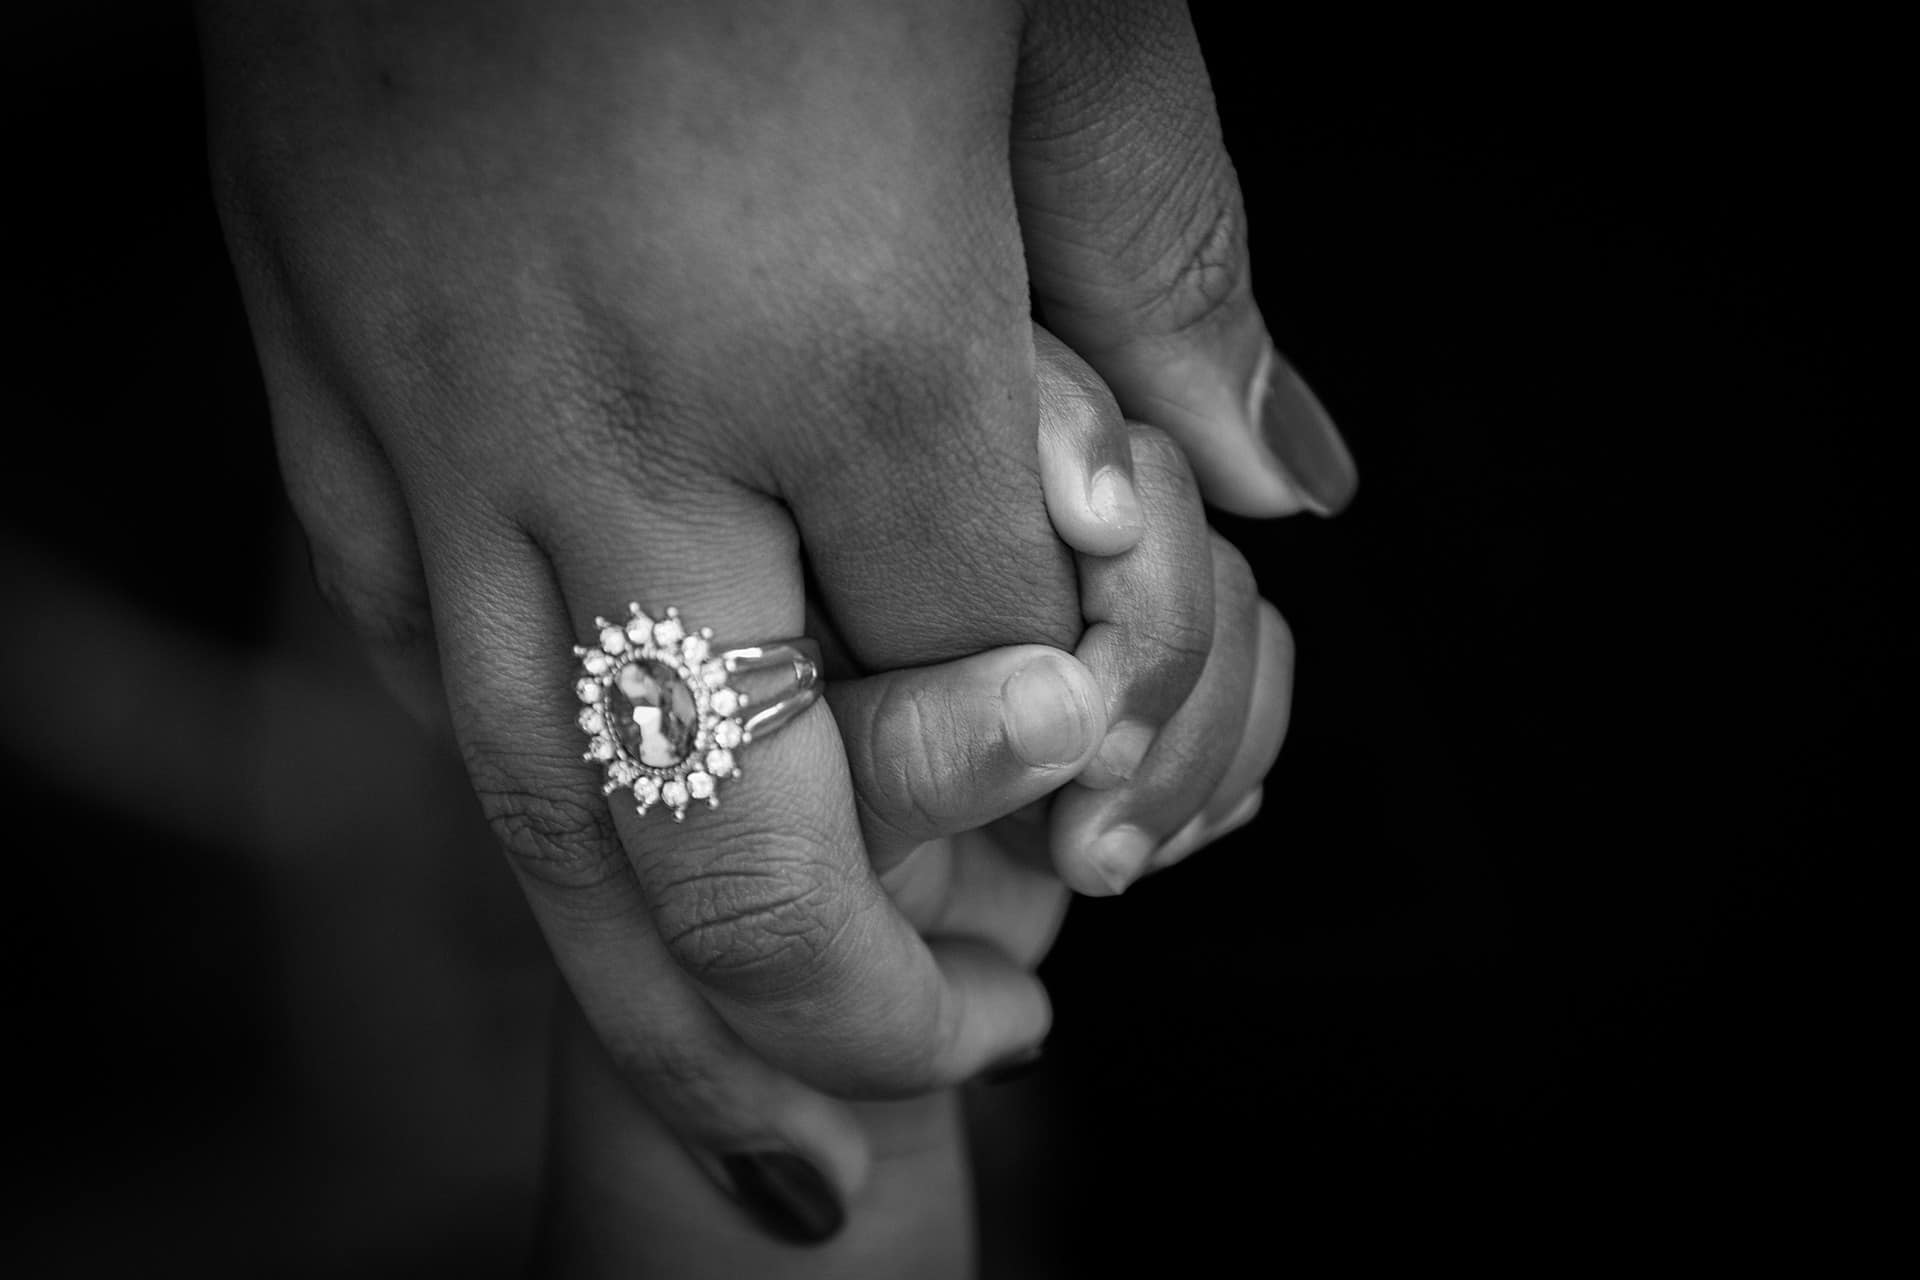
(1555, 927)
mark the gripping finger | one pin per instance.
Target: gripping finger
(939, 752)
(1137, 250)
(1237, 800)
(1103, 840)
(1086, 454)
(935, 751)
(1149, 611)
(768, 902)
(789, 1155)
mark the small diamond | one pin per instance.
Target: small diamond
(623, 773)
(720, 761)
(714, 674)
(592, 720)
(601, 748)
(694, 650)
(675, 795)
(646, 791)
(667, 634)
(727, 733)
(589, 690)
(640, 629)
(699, 785)
(613, 640)
(596, 662)
(725, 702)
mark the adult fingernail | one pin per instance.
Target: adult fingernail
(1119, 856)
(1014, 1066)
(786, 1195)
(1048, 719)
(1111, 496)
(1300, 435)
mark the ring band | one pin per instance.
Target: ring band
(662, 715)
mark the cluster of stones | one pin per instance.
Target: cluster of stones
(659, 715)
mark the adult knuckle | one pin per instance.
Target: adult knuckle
(1202, 273)
(754, 921)
(554, 839)
(682, 1073)
(389, 610)
(920, 769)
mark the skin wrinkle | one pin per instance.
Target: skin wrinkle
(934, 772)
(1179, 189)
(894, 736)
(897, 1040)
(728, 929)
(1212, 276)
(553, 839)
(1077, 50)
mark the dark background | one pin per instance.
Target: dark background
(1554, 931)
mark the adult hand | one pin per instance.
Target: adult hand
(561, 307)
(622, 1201)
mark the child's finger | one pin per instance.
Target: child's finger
(1104, 840)
(1086, 455)
(1238, 798)
(1149, 612)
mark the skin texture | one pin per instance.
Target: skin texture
(726, 306)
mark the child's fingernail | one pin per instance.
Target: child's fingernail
(1182, 842)
(1238, 816)
(1016, 1065)
(1300, 435)
(1048, 719)
(1119, 856)
(1113, 500)
(786, 1195)
(1203, 831)
(1119, 757)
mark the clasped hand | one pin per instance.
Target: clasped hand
(730, 309)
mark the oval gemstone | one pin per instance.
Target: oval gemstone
(652, 713)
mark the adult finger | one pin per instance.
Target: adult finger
(1137, 252)
(360, 538)
(935, 751)
(767, 903)
(789, 1156)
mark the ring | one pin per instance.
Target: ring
(662, 715)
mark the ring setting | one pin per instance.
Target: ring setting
(663, 715)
